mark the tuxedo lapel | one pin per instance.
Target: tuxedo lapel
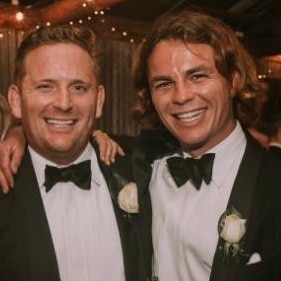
(241, 199)
(126, 223)
(134, 229)
(40, 251)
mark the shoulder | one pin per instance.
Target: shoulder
(154, 144)
(123, 166)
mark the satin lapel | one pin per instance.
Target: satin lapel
(39, 246)
(241, 199)
(128, 243)
(112, 183)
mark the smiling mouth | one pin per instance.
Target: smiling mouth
(60, 123)
(191, 115)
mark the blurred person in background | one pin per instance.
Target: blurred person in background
(270, 120)
(5, 116)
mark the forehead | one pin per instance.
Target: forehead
(57, 58)
(177, 49)
(174, 57)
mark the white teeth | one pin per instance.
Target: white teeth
(191, 115)
(60, 122)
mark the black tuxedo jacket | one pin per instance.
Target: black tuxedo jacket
(26, 248)
(275, 150)
(256, 194)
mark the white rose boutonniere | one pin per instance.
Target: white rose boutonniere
(128, 198)
(232, 229)
(126, 193)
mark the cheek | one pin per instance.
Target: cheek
(221, 97)
(30, 114)
(88, 111)
(160, 103)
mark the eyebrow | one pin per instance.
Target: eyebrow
(79, 81)
(196, 69)
(186, 73)
(160, 78)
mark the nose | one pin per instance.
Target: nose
(63, 100)
(183, 93)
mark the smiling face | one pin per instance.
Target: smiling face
(58, 100)
(192, 99)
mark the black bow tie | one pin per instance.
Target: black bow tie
(79, 174)
(189, 168)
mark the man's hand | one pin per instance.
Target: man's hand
(11, 153)
(108, 148)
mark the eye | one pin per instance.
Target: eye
(45, 87)
(79, 88)
(197, 77)
(163, 85)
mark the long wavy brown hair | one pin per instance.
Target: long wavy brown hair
(231, 58)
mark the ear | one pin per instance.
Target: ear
(100, 101)
(235, 84)
(14, 99)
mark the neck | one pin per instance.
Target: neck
(61, 157)
(197, 150)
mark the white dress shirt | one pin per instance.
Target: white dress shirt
(185, 220)
(83, 225)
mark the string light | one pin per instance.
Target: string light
(92, 15)
(19, 16)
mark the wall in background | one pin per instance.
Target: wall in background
(116, 62)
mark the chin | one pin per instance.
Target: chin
(61, 146)
(192, 143)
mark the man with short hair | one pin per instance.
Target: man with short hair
(61, 221)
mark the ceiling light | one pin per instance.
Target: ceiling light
(15, 2)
